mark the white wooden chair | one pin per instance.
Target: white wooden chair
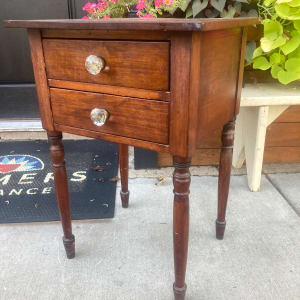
(261, 104)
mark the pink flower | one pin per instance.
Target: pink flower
(158, 3)
(89, 7)
(102, 5)
(168, 2)
(148, 16)
(140, 5)
(85, 18)
(106, 17)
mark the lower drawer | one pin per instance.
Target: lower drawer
(128, 117)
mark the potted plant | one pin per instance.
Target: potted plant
(169, 8)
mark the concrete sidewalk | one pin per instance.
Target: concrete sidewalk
(130, 257)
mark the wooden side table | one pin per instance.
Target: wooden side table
(160, 84)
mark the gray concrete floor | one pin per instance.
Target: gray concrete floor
(130, 257)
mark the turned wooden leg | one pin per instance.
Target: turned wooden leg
(62, 193)
(181, 181)
(224, 177)
(123, 158)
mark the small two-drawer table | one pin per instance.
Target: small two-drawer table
(161, 84)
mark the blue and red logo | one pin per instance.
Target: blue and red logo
(20, 163)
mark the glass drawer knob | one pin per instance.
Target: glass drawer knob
(95, 64)
(99, 116)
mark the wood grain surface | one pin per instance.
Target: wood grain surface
(113, 138)
(292, 114)
(142, 65)
(283, 134)
(144, 35)
(124, 168)
(217, 101)
(161, 24)
(140, 119)
(111, 90)
(40, 78)
(62, 191)
(181, 46)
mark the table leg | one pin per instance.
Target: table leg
(224, 176)
(62, 193)
(123, 158)
(181, 181)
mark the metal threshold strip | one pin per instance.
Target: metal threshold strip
(21, 125)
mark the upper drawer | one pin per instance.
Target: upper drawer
(143, 65)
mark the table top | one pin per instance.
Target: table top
(160, 24)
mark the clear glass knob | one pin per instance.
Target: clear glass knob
(94, 64)
(99, 116)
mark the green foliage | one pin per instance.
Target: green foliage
(218, 8)
(199, 8)
(279, 48)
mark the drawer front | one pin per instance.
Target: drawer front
(128, 117)
(143, 65)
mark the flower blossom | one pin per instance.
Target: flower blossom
(140, 5)
(89, 7)
(148, 16)
(102, 5)
(158, 3)
(85, 18)
(168, 2)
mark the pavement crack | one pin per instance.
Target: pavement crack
(282, 194)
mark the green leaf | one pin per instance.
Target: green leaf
(272, 29)
(292, 44)
(295, 54)
(286, 12)
(250, 48)
(189, 12)
(275, 59)
(261, 63)
(268, 45)
(297, 25)
(279, 42)
(283, 1)
(218, 4)
(275, 70)
(287, 77)
(228, 14)
(294, 3)
(293, 65)
(183, 5)
(282, 10)
(268, 2)
(282, 59)
(257, 52)
(198, 6)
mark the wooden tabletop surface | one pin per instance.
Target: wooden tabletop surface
(161, 24)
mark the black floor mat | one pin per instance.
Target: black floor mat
(26, 183)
